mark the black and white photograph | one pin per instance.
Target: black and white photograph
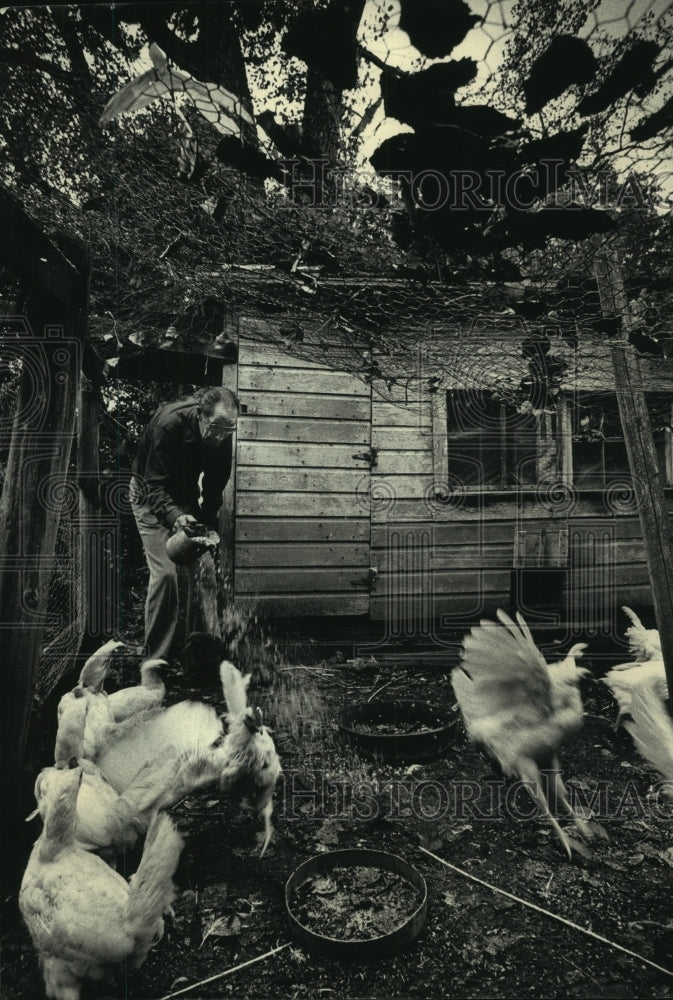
(336, 500)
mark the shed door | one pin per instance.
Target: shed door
(303, 478)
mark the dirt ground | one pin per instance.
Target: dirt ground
(230, 907)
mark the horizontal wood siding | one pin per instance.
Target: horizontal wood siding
(304, 405)
(302, 486)
(401, 483)
(467, 568)
(448, 562)
(312, 518)
(304, 430)
(260, 454)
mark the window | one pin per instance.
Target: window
(492, 445)
(599, 454)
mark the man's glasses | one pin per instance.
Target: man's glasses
(221, 426)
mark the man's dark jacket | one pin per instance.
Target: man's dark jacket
(171, 457)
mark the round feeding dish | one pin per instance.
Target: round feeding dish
(397, 730)
(356, 904)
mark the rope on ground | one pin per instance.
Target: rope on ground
(548, 913)
(227, 972)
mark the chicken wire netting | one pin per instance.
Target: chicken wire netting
(195, 208)
(375, 184)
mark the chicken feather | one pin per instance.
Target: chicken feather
(189, 727)
(626, 679)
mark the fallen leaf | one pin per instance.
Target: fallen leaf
(329, 832)
(535, 869)
(615, 865)
(223, 927)
(324, 886)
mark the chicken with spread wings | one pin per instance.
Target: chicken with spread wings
(520, 710)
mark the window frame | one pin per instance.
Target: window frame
(564, 447)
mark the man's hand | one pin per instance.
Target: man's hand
(186, 523)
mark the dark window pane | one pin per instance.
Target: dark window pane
(616, 459)
(475, 410)
(522, 449)
(523, 471)
(660, 446)
(588, 464)
(491, 444)
(472, 462)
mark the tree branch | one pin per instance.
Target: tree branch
(74, 47)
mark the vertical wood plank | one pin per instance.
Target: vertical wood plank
(637, 430)
(227, 517)
(565, 441)
(668, 451)
(502, 439)
(440, 450)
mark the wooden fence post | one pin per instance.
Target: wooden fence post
(655, 521)
(227, 523)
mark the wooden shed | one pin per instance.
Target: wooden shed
(417, 507)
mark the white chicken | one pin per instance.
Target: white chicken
(190, 734)
(107, 822)
(150, 693)
(189, 737)
(521, 710)
(252, 764)
(651, 729)
(644, 643)
(626, 679)
(644, 673)
(85, 920)
(99, 717)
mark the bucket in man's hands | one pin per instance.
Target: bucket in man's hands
(183, 549)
